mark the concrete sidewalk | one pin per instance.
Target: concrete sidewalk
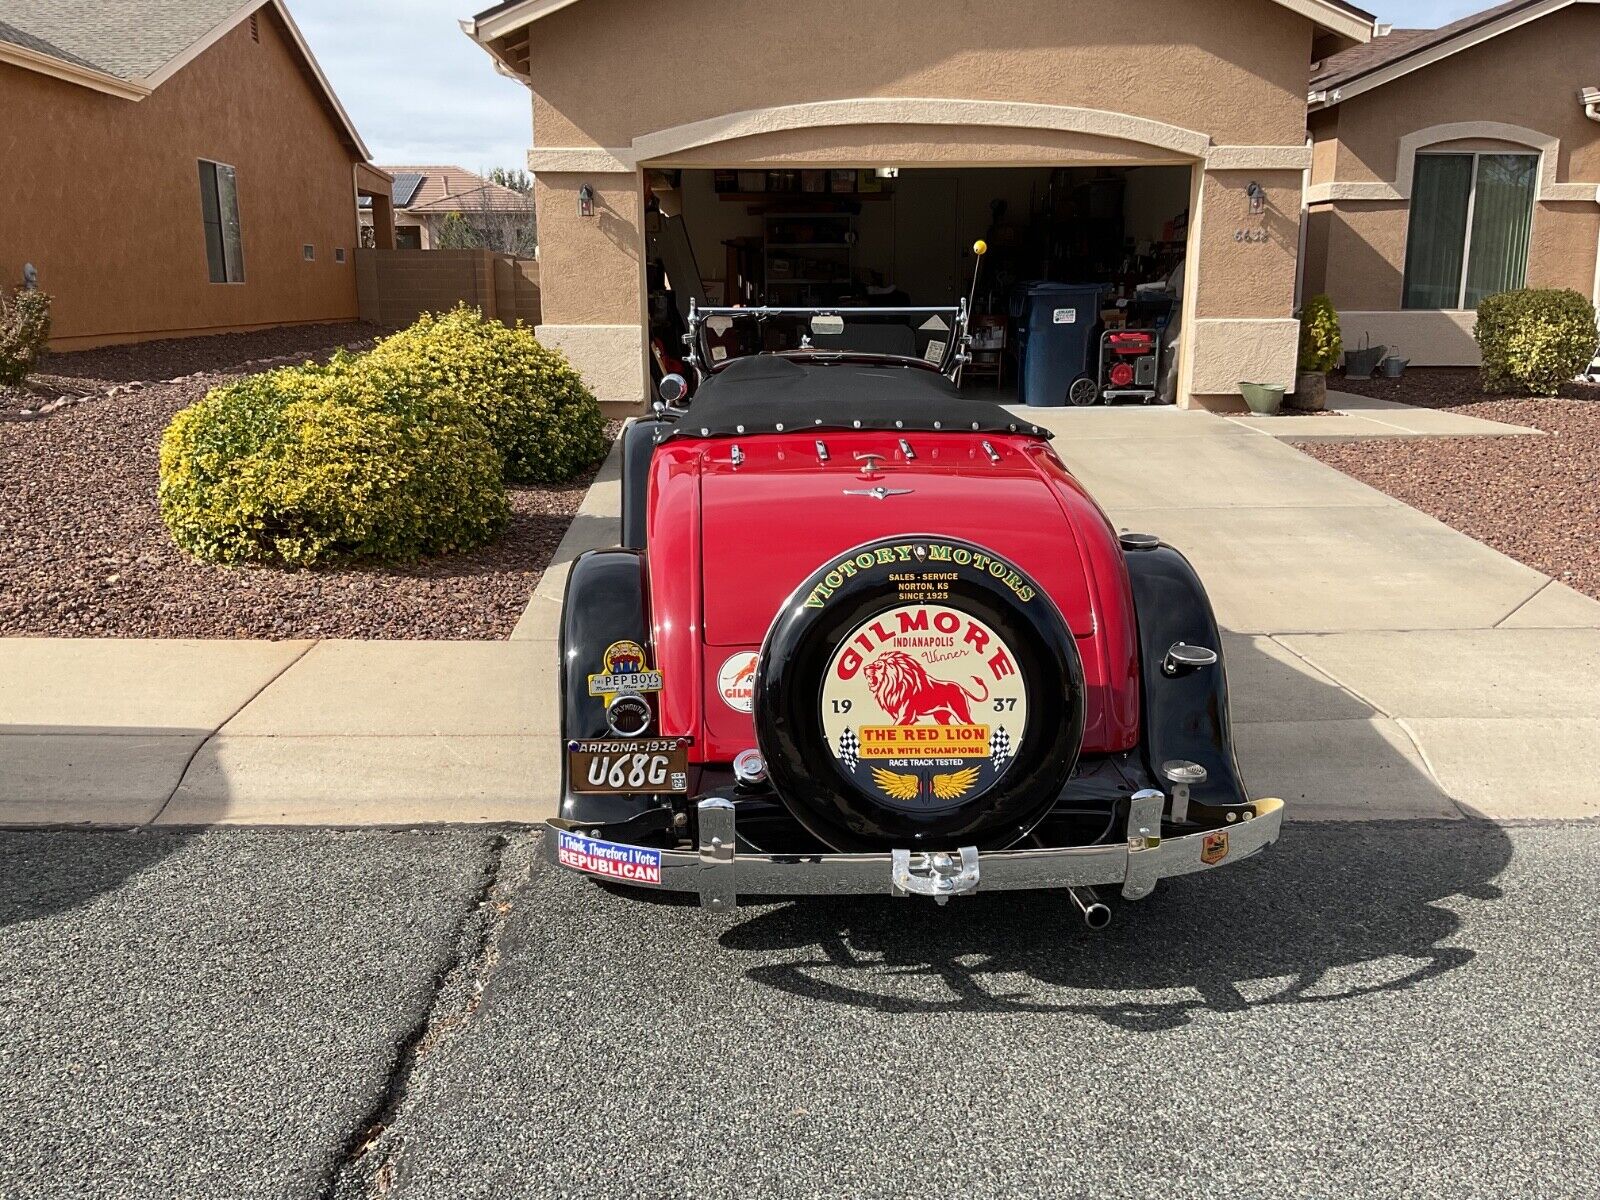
(1382, 665)
(1350, 417)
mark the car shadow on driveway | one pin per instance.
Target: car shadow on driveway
(1334, 911)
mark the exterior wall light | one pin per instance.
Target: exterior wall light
(1258, 198)
(586, 201)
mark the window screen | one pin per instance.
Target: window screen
(1471, 216)
(219, 211)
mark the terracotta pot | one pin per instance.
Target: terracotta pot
(1310, 391)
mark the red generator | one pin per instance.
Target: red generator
(1129, 362)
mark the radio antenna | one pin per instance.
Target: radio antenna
(964, 341)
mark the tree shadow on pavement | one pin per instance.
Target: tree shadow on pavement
(1333, 911)
(45, 872)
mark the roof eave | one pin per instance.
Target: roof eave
(70, 72)
(1423, 56)
(495, 23)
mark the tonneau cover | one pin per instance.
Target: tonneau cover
(772, 394)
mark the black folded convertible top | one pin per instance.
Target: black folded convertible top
(770, 394)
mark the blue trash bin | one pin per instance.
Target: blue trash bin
(1056, 325)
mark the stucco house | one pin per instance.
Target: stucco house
(425, 196)
(175, 167)
(1132, 139)
(1452, 163)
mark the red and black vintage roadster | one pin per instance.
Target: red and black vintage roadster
(865, 634)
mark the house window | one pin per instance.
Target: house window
(338, 254)
(1471, 215)
(219, 210)
(308, 252)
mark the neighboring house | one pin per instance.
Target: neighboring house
(175, 167)
(1452, 163)
(424, 197)
(805, 97)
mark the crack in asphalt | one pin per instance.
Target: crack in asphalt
(368, 1160)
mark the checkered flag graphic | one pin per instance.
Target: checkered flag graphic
(999, 745)
(849, 748)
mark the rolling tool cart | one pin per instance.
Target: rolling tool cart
(1130, 361)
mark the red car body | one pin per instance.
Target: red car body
(731, 542)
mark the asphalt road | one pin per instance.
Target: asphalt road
(1370, 1010)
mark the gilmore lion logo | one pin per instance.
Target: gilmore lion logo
(904, 689)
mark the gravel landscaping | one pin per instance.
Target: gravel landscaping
(1536, 500)
(83, 551)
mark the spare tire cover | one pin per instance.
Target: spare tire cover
(919, 692)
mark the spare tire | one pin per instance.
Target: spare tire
(919, 692)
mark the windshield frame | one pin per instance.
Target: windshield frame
(950, 364)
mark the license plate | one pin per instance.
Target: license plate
(614, 766)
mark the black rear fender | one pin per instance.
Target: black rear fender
(1184, 716)
(606, 601)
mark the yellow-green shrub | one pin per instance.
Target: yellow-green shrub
(1534, 339)
(24, 329)
(1320, 343)
(303, 464)
(540, 416)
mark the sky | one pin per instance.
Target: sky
(422, 93)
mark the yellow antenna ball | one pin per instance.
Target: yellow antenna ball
(980, 247)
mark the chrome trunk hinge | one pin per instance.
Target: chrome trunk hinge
(822, 450)
(994, 455)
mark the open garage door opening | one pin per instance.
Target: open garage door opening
(1078, 298)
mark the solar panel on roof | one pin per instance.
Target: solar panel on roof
(406, 184)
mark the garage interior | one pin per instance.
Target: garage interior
(851, 237)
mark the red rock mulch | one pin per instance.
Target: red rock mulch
(83, 551)
(1535, 499)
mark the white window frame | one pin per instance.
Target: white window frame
(1472, 206)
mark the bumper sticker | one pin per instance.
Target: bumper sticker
(610, 860)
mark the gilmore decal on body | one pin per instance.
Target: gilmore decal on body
(623, 669)
(919, 554)
(923, 706)
(736, 681)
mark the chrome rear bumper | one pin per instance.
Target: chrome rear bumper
(719, 874)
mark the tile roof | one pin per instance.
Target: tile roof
(1357, 61)
(130, 39)
(445, 189)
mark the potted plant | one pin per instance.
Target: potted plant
(1320, 347)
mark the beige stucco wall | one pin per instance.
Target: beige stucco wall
(102, 195)
(947, 84)
(605, 71)
(1528, 79)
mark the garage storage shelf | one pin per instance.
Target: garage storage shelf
(807, 256)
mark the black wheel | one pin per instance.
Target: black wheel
(919, 691)
(1083, 392)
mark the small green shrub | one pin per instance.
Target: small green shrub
(303, 464)
(24, 329)
(1320, 343)
(540, 416)
(1534, 339)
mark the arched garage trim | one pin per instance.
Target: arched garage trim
(1164, 140)
(895, 111)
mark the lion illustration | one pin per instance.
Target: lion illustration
(904, 689)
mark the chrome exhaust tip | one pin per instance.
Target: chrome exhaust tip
(1096, 913)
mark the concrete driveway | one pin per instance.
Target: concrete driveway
(1382, 665)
